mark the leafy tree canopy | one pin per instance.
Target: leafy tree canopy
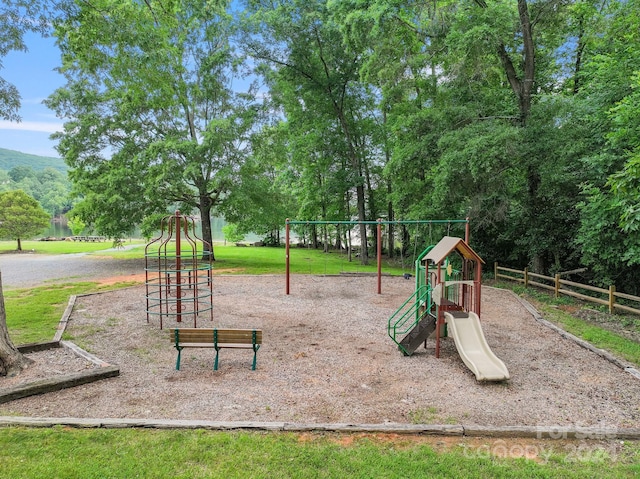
(21, 216)
(153, 121)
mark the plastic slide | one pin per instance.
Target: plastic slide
(473, 348)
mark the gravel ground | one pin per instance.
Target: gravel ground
(327, 358)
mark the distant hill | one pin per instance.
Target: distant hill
(11, 158)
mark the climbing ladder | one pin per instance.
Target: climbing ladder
(415, 320)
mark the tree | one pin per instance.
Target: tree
(299, 47)
(609, 89)
(48, 186)
(153, 121)
(232, 233)
(477, 122)
(21, 172)
(264, 195)
(76, 225)
(55, 191)
(21, 216)
(12, 361)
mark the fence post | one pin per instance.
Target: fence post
(495, 270)
(612, 298)
(557, 286)
(526, 277)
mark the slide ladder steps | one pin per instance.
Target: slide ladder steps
(418, 334)
(409, 315)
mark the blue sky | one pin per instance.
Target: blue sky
(33, 73)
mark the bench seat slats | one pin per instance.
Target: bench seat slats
(220, 345)
(224, 336)
(216, 338)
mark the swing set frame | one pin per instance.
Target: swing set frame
(379, 223)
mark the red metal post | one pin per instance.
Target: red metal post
(178, 267)
(286, 254)
(467, 233)
(478, 281)
(440, 312)
(379, 256)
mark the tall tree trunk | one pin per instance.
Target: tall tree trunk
(205, 217)
(323, 229)
(390, 213)
(12, 361)
(19, 245)
(364, 252)
(356, 165)
(347, 202)
(522, 85)
(391, 230)
(373, 209)
(325, 238)
(354, 159)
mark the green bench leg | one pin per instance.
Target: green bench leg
(255, 356)
(253, 365)
(178, 360)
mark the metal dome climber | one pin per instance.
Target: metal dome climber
(178, 283)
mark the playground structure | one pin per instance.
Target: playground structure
(379, 223)
(177, 282)
(447, 301)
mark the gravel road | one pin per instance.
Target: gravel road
(27, 270)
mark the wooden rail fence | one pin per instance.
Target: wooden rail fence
(560, 286)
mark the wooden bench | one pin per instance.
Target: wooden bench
(217, 339)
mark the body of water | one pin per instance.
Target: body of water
(59, 229)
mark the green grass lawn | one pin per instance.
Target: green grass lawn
(33, 313)
(75, 453)
(58, 247)
(251, 260)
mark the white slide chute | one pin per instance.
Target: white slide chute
(473, 348)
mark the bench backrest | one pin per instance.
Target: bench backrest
(209, 335)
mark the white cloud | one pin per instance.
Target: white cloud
(33, 101)
(41, 126)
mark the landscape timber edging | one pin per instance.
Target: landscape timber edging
(42, 386)
(36, 347)
(530, 432)
(62, 324)
(103, 370)
(64, 320)
(56, 383)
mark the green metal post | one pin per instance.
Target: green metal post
(176, 335)
(255, 350)
(215, 345)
